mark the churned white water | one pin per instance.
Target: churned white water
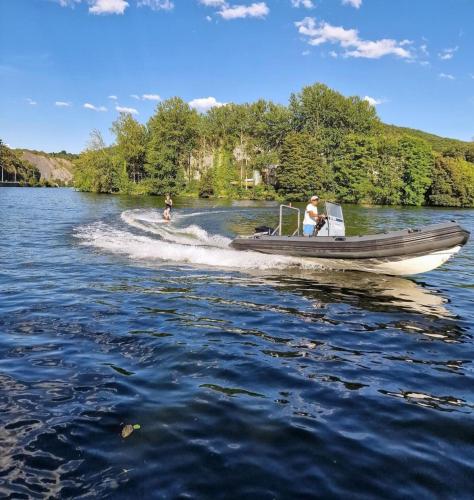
(168, 242)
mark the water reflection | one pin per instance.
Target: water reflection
(368, 291)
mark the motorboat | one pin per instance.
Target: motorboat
(397, 253)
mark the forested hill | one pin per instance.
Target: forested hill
(320, 142)
(439, 144)
(36, 168)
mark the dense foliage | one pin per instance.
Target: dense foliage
(321, 142)
(14, 169)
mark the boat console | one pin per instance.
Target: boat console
(333, 225)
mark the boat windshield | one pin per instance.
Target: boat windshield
(333, 210)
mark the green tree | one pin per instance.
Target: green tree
(95, 170)
(302, 170)
(131, 141)
(453, 183)
(417, 159)
(173, 134)
(354, 167)
(386, 179)
(318, 107)
(14, 168)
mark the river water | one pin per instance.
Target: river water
(250, 376)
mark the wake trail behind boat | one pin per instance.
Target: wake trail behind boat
(189, 244)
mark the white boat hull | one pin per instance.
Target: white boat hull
(399, 267)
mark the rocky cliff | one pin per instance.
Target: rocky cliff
(51, 169)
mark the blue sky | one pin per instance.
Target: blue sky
(61, 60)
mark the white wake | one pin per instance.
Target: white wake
(164, 243)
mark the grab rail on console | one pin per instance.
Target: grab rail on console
(278, 229)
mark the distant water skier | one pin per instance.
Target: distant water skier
(168, 207)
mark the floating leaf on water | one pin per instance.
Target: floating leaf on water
(127, 430)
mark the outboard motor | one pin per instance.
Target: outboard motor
(334, 221)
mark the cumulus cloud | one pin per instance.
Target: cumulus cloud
(257, 10)
(204, 104)
(30, 101)
(103, 7)
(230, 11)
(322, 32)
(108, 7)
(446, 54)
(156, 4)
(446, 76)
(123, 109)
(354, 3)
(373, 101)
(63, 104)
(308, 4)
(213, 3)
(113, 97)
(92, 107)
(151, 97)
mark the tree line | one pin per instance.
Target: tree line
(14, 169)
(320, 142)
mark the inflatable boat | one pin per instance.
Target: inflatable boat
(398, 253)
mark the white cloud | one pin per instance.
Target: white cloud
(257, 10)
(30, 101)
(354, 3)
(208, 18)
(424, 49)
(156, 4)
(334, 54)
(306, 53)
(213, 3)
(471, 75)
(320, 33)
(308, 4)
(113, 97)
(446, 54)
(373, 101)
(88, 105)
(204, 104)
(68, 3)
(135, 96)
(446, 76)
(108, 7)
(62, 104)
(123, 109)
(151, 97)
(117, 6)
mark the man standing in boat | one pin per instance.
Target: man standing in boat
(311, 217)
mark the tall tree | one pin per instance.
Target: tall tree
(173, 134)
(318, 107)
(131, 140)
(95, 169)
(417, 159)
(355, 165)
(387, 175)
(302, 170)
(453, 183)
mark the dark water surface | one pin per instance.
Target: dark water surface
(251, 376)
